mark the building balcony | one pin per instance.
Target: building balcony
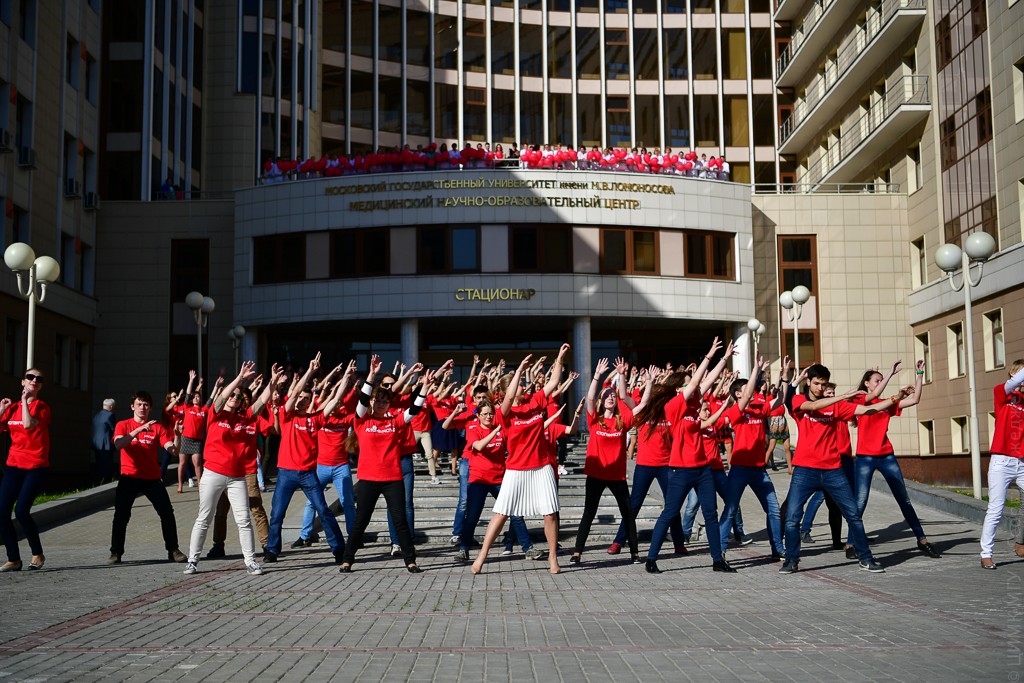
(811, 36)
(859, 55)
(905, 105)
(787, 10)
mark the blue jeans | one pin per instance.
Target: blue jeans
(890, 468)
(812, 509)
(476, 496)
(341, 476)
(807, 480)
(690, 512)
(18, 489)
(740, 477)
(410, 517)
(681, 480)
(288, 482)
(460, 509)
(643, 477)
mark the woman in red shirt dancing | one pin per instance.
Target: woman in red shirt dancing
(28, 461)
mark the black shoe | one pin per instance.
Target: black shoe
(300, 543)
(723, 566)
(414, 569)
(789, 567)
(851, 553)
(651, 567)
(345, 569)
(114, 559)
(635, 559)
(776, 557)
(216, 552)
(176, 556)
(339, 556)
(929, 550)
(575, 559)
(871, 566)
(269, 556)
(838, 545)
(311, 540)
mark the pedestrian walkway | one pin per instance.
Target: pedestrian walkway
(947, 619)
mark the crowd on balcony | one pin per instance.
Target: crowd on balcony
(482, 156)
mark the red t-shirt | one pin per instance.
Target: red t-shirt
(606, 449)
(554, 432)
(30, 448)
(749, 430)
(380, 446)
(194, 420)
(873, 430)
(298, 449)
(231, 442)
(1008, 436)
(486, 466)
(422, 421)
(524, 428)
(817, 445)
(687, 441)
(399, 404)
(711, 447)
(330, 439)
(141, 458)
(654, 444)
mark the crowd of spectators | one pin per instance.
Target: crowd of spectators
(444, 157)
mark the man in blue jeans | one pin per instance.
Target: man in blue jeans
(816, 463)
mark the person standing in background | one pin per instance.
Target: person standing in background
(102, 442)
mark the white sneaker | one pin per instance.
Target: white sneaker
(191, 568)
(454, 540)
(396, 550)
(562, 471)
(506, 552)
(435, 481)
(191, 482)
(254, 569)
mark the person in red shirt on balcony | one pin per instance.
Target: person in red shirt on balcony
(28, 461)
(1007, 462)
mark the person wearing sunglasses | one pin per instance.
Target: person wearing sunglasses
(28, 461)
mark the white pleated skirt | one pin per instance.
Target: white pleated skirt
(528, 493)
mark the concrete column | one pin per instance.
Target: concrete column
(582, 361)
(744, 355)
(250, 347)
(410, 340)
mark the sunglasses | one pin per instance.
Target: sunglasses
(34, 378)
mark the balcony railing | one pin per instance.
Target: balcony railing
(828, 188)
(802, 31)
(850, 50)
(908, 90)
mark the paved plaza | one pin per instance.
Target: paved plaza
(605, 620)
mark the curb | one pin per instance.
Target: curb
(968, 508)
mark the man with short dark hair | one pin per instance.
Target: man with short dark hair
(140, 439)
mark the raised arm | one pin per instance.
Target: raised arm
(481, 444)
(245, 373)
(880, 389)
(191, 382)
(513, 386)
(751, 386)
(621, 371)
(710, 422)
(299, 386)
(276, 371)
(363, 407)
(713, 374)
(556, 371)
(1014, 382)
(457, 410)
(915, 397)
(595, 386)
(652, 373)
(701, 370)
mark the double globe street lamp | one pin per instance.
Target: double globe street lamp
(978, 248)
(793, 301)
(33, 276)
(236, 334)
(757, 330)
(202, 306)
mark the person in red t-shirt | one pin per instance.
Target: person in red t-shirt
(528, 488)
(605, 465)
(192, 414)
(230, 454)
(296, 467)
(875, 451)
(28, 461)
(688, 460)
(1006, 464)
(139, 439)
(380, 436)
(749, 421)
(817, 466)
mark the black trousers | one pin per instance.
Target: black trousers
(835, 518)
(130, 488)
(594, 490)
(367, 495)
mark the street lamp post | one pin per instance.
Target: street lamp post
(202, 307)
(757, 329)
(978, 248)
(33, 276)
(793, 301)
(236, 334)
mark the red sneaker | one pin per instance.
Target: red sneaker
(681, 550)
(614, 549)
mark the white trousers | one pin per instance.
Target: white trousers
(211, 487)
(1002, 471)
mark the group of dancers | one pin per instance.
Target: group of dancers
(512, 422)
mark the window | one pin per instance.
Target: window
(983, 106)
(961, 437)
(990, 219)
(92, 80)
(6, 11)
(926, 436)
(72, 61)
(632, 252)
(955, 350)
(797, 256)
(448, 250)
(915, 173)
(943, 44)
(992, 331)
(947, 143)
(709, 255)
(14, 347)
(918, 263)
(923, 351)
(27, 21)
(279, 258)
(1018, 91)
(534, 249)
(359, 253)
(979, 18)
